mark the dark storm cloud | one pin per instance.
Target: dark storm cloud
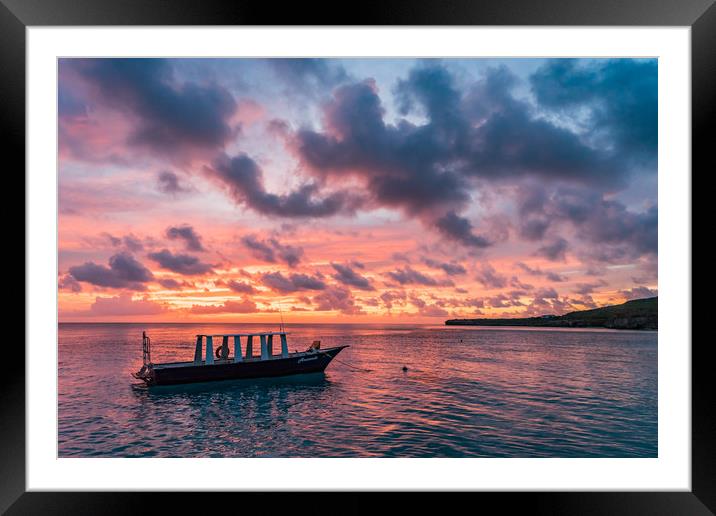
(608, 222)
(459, 229)
(517, 283)
(168, 182)
(393, 296)
(552, 276)
(619, 226)
(588, 288)
(551, 305)
(244, 180)
(417, 302)
(168, 115)
(451, 269)
(409, 276)
(503, 301)
(272, 251)
(530, 198)
(347, 276)
(124, 271)
(621, 96)
(309, 75)
(534, 228)
(292, 282)
(490, 278)
(494, 135)
(68, 282)
(648, 270)
(186, 233)
(546, 293)
(259, 248)
(115, 241)
(397, 162)
(614, 231)
(555, 305)
(586, 301)
(185, 264)
(240, 287)
(278, 127)
(478, 132)
(131, 242)
(638, 293)
(336, 298)
(170, 283)
(555, 250)
(513, 142)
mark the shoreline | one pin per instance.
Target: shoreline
(637, 314)
(514, 323)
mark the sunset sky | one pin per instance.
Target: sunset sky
(354, 190)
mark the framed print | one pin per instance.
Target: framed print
(416, 250)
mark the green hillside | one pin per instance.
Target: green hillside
(638, 314)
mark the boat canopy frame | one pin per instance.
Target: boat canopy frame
(265, 339)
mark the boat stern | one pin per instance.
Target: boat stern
(146, 374)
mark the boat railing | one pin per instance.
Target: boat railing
(146, 349)
(205, 346)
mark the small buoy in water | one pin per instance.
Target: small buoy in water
(405, 368)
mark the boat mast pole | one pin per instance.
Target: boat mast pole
(280, 314)
(146, 349)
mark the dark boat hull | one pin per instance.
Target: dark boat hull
(275, 366)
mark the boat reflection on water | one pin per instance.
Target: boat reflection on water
(221, 419)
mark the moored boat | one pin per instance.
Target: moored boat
(210, 365)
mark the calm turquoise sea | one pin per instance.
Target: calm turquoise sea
(468, 392)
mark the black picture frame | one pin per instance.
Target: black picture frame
(700, 15)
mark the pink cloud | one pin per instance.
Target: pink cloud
(123, 304)
(244, 306)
